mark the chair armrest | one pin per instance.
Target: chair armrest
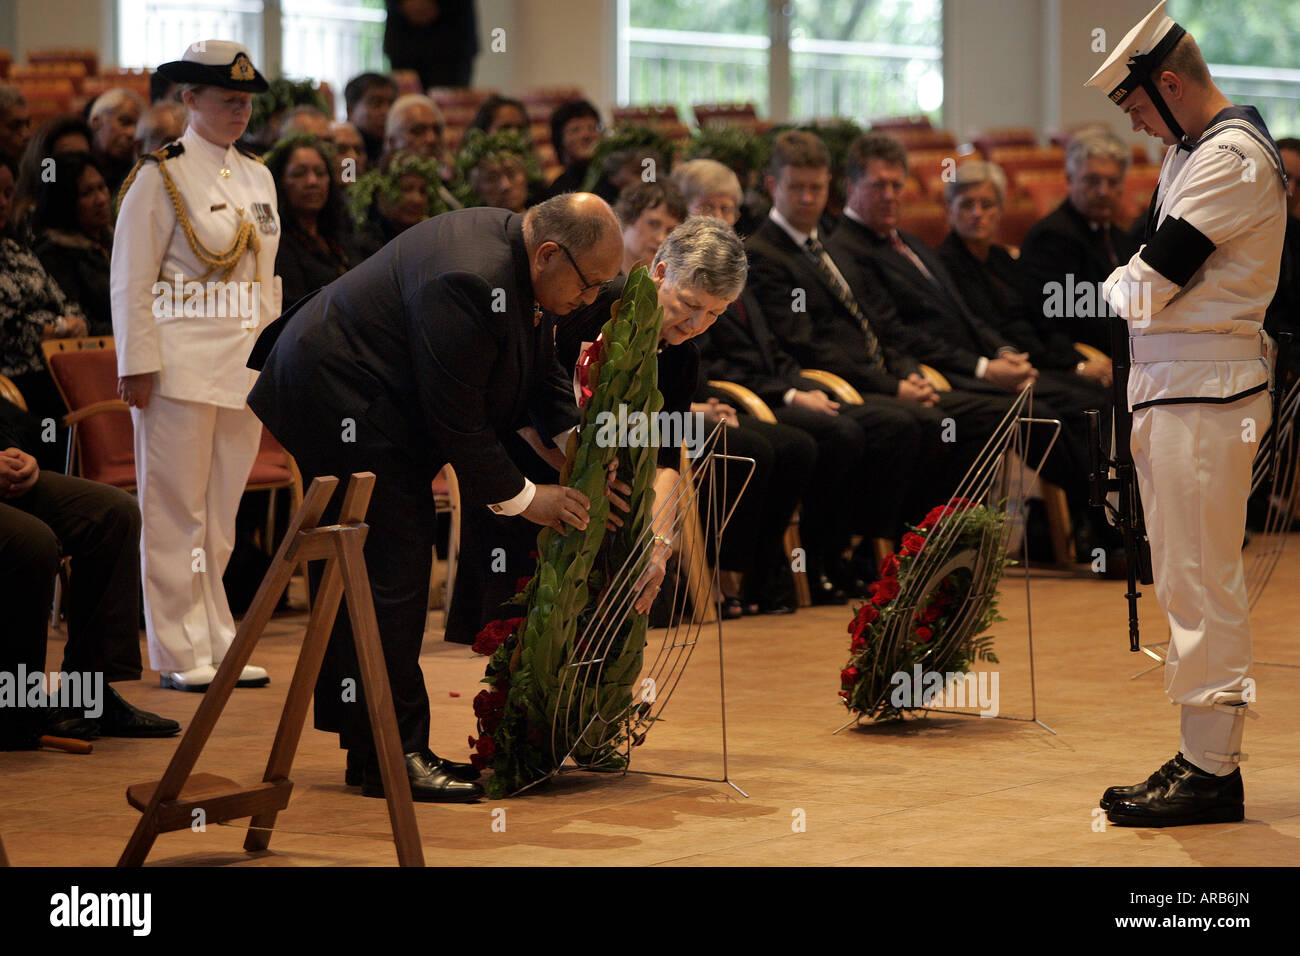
(1091, 353)
(936, 378)
(107, 405)
(840, 390)
(9, 392)
(743, 398)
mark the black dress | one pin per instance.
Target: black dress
(79, 265)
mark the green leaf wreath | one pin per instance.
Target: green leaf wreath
(479, 146)
(632, 138)
(936, 598)
(382, 183)
(531, 718)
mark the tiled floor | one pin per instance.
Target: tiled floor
(943, 790)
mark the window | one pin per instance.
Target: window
(312, 39)
(825, 58)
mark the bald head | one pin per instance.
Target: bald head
(575, 245)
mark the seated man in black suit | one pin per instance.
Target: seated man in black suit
(1068, 254)
(428, 353)
(935, 323)
(824, 324)
(44, 516)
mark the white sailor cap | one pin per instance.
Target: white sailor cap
(1135, 57)
(220, 63)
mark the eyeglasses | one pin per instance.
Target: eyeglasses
(573, 262)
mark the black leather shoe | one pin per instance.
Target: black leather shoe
(429, 782)
(1178, 794)
(775, 607)
(71, 723)
(354, 775)
(121, 719)
(824, 591)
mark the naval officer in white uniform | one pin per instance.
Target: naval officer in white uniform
(193, 280)
(1194, 296)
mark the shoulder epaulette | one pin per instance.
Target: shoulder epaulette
(169, 151)
(249, 153)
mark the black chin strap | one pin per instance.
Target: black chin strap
(1141, 68)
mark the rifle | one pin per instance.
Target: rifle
(1120, 476)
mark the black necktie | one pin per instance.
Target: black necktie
(821, 258)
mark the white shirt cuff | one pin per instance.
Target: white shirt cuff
(981, 367)
(788, 397)
(518, 504)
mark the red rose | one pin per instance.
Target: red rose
(913, 543)
(931, 614)
(885, 591)
(849, 676)
(859, 642)
(582, 371)
(486, 747)
(479, 762)
(494, 635)
(889, 566)
(924, 634)
(868, 614)
(845, 695)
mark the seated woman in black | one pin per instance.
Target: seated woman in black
(388, 200)
(74, 236)
(313, 249)
(498, 169)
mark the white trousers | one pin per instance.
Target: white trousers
(192, 462)
(1193, 465)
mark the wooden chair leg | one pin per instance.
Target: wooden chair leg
(1058, 521)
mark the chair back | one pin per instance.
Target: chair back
(85, 372)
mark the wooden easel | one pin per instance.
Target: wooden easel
(171, 803)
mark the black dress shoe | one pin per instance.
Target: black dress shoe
(775, 607)
(429, 782)
(824, 591)
(354, 775)
(71, 723)
(121, 719)
(1178, 794)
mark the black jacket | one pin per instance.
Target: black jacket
(429, 348)
(1062, 244)
(304, 266)
(811, 323)
(80, 267)
(992, 289)
(741, 348)
(935, 323)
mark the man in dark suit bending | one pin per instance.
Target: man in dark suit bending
(429, 353)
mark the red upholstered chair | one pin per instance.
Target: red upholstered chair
(927, 220)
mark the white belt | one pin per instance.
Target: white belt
(1194, 347)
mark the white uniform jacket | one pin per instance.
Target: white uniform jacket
(197, 338)
(1196, 291)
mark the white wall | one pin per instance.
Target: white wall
(992, 64)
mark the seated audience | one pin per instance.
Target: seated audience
(825, 321)
(348, 145)
(305, 119)
(989, 277)
(44, 517)
(938, 326)
(112, 119)
(498, 169)
(403, 190)
(415, 125)
(1079, 245)
(648, 212)
(368, 98)
(72, 222)
(576, 131)
(159, 125)
(62, 134)
(15, 122)
(32, 308)
(313, 249)
(501, 112)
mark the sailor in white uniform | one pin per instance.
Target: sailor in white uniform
(193, 279)
(1194, 297)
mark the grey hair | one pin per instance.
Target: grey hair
(697, 178)
(556, 220)
(972, 173)
(110, 101)
(1093, 143)
(706, 254)
(10, 96)
(403, 105)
